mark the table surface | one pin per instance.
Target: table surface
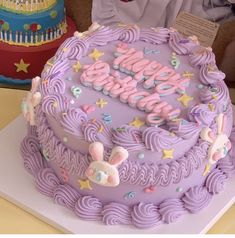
(14, 220)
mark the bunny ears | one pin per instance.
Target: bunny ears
(118, 154)
(102, 172)
(208, 135)
(32, 99)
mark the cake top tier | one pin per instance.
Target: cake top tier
(26, 6)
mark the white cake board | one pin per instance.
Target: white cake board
(17, 186)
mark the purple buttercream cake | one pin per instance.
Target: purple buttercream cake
(130, 125)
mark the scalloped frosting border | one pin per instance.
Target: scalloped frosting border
(140, 215)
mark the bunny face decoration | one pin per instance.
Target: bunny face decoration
(220, 143)
(102, 172)
(32, 99)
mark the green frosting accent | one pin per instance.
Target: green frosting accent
(26, 27)
(53, 14)
(5, 26)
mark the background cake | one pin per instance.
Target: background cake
(30, 34)
(130, 125)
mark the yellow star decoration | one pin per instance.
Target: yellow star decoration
(22, 66)
(101, 103)
(137, 122)
(168, 154)
(207, 169)
(185, 99)
(188, 74)
(211, 107)
(77, 67)
(84, 184)
(96, 54)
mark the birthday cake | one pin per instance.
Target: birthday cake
(30, 33)
(130, 125)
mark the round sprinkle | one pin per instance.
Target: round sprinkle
(129, 195)
(179, 190)
(65, 139)
(72, 101)
(200, 86)
(140, 155)
(69, 78)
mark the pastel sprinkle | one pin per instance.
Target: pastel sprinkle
(107, 118)
(211, 107)
(45, 155)
(64, 114)
(120, 129)
(101, 129)
(72, 101)
(65, 139)
(175, 62)
(225, 107)
(200, 86)
(76, 91)
(149, 189)
(150, 51)
(179, 190)
(188, 74)
(214, 97)
(55, 104)
(69, 78)
(129, 195)
(141, 155)
(101, 103)
(184, 41)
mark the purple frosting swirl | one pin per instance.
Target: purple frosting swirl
(102, 36)
(130, 34)
(201, 114)
(145, 216)
(201, 56)
(88, 208)
(128, 137)
(179, 44)
(217, 95)
(97, 131)
(226, 165)
(47, 181)
(52, 78)
(71, 121)
(157, 35)
(33, 160)
(157, 139)
(72, 49)
(184, 129)
(66, 196)
(171, 210)
(196, 198)
(54, 104)
(116, 213)
(215, 181)
(232, 140)
(210, 74)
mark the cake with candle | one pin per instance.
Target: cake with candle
(30, 33)
(131, 126)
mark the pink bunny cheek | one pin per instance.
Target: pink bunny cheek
(229, 145)
(216, 156)
(112, 179)
(89, 172)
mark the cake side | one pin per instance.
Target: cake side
(169, 166)
(35, 29)
(26, 6)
